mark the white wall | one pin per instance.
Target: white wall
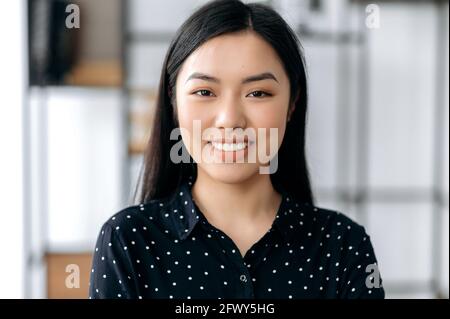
(84, 145)
(12, 84)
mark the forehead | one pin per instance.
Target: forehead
(234, 55)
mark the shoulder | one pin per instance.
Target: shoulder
(335, 225)
(135, 218)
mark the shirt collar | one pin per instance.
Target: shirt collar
(186, 215)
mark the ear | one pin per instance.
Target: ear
(292, 106)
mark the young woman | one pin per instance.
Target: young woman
(225, 224)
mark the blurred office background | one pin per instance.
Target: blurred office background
(77, 107)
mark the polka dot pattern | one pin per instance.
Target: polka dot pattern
(167, 249)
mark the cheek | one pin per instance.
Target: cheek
(192, 121)
(272, 116)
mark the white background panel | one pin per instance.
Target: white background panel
(159, 16)
(402, 89)
(401, 235)
(146, 62)
(85, 153)
(321, 120)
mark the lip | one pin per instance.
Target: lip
(230, 140)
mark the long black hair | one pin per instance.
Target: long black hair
(161, 177)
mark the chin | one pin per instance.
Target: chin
(231, 173)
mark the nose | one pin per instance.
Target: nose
(230, 114)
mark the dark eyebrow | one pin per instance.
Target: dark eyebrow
(202, 76)
(260, 77)
(253, 78)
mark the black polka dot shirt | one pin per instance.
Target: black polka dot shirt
(167, 249)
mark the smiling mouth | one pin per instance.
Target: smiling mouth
(229, 147)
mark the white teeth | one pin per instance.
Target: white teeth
(229, 147)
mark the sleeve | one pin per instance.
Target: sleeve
(362, 275)
(112, 273)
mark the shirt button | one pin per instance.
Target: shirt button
(243, 278)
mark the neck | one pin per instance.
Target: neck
(225, 204)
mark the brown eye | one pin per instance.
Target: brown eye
(203, 93)
(259, 94)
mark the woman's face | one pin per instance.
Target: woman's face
(226, 90)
